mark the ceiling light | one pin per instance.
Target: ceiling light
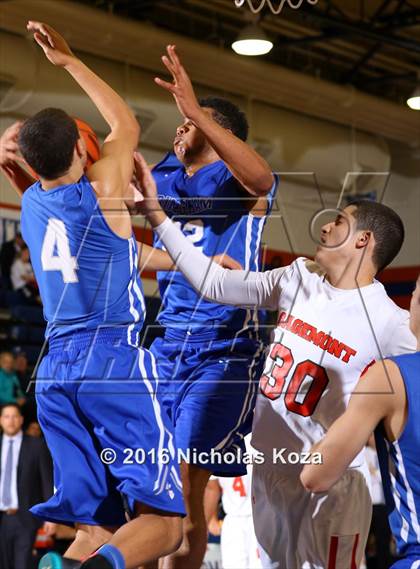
(252, 41)
(414, 101)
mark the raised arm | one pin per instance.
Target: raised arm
(246, 165)
(111, 174)
(238, 288)
(379, 395)
(153, 259)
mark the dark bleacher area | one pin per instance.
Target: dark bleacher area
(21, 325)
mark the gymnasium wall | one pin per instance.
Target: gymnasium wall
(321, 164)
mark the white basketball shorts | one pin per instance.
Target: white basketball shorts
(300, 530)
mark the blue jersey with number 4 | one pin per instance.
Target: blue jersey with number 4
(87, 275)
(212, 210)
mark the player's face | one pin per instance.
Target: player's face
(11, 421)
(337, 238)
(415, 311)
(189, 141)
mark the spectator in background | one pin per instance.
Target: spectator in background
(22, 277)
(8, 252)
(24, 376)
(22, 368)
(20, 488)
(10, 389)
(34, 430)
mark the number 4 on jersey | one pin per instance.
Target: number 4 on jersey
(56, 240)
(238, 486)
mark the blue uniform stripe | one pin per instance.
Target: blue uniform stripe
(248, 405)
(400, 463)
(411, 511)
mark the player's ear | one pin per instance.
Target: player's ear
(364, 238)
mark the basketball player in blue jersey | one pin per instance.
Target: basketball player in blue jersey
(96, 389)
(150, 258)
(386, 400)
(219, 191)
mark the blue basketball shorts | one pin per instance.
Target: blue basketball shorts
(411, 559)
(407, 563)
(110, 440)
(208, 388)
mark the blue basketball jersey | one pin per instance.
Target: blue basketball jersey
(211, 209)
(400, 464)
(87, 275)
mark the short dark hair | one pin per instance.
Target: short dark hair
(47, 142)
(15, 405)
(228, 115)
(386, 226)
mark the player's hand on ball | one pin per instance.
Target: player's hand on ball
(181, 87)
(54, 45)
(9, 148)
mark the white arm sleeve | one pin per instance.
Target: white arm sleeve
(238, 288)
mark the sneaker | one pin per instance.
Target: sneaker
(53, 560)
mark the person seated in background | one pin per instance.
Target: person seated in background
(24, 376)
(10, 389)
(34, 430)
(8, 252)
(22, 367)
(25, 479)
(23, 279)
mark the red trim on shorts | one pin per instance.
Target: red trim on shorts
(353, 555)
(332, 556)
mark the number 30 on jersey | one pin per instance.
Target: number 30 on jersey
(306, 386)
(56, 240)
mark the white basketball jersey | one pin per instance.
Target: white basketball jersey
(324, 340)
(236, 495)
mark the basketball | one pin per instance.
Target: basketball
(92, 143)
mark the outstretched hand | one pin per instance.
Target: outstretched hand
(181, 87)
(145, 185)
(145, 182)
(54, 45)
